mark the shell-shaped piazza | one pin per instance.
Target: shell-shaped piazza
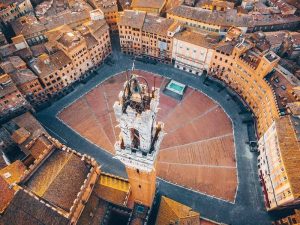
(198, 150)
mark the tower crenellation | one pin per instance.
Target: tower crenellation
(140, 136)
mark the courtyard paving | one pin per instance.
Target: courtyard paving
(248, 207)
(197, 152)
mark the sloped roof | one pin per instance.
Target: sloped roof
(27, 25)
(96, 207)
(97, 28)
(221, 18)
(112, 189)
(157, 25)
(56, 61)
(13, 172)
(197, 38)
(226, 47)
(39, 146)
(59, 178)
(9, 87)
(182, 211)
(132, 18)
(6, 194)
(24, 209)
(290, 152)
(20, 135)
(23, 76)
(170, 210)
(294, 107)
(148, 4)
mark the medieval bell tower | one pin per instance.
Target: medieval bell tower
(140, 136)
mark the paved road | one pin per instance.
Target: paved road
(248, 208)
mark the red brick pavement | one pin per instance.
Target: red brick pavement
(198, 150)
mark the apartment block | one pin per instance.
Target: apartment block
(11, 99)
(55, 72)
(74, 45)
(293, 219)
(221, 21)
(244, 68)
(278, 160)
(25, 80)
(34, 30)
(72, 53)
(208, 20)
(29, 85)
(109, 8)
(11, 10)
(96, 33)
(143, 34)
(154, 7)
(192, 51)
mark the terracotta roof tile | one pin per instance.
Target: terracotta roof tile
(23, 76)
(56, 61)
(93, 212)
(6, 194)
(20, 135)
(13, 172)
(221, 18)
(157, 25)
(170, 210)
(148, 4)
(290, 152)
(207, 41)
(7, 85)
(112, 189)
(24, 209)
(132, 18)
(59, 178)
(27, 25)
(40, 145)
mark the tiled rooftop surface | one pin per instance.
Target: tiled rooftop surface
(147, 4)
(25, 210)
(57, 60)
(94, 211)
(13, 172)
(9, 88)
(56, 181)
(231, 17)
(6, 194)
(228, 18)
(132, 18)
(207, 41)
(40, 145)
(157, 25)
(112, 189)
(28, 122)
(290, 152)
(23, 76)
(170, 210)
